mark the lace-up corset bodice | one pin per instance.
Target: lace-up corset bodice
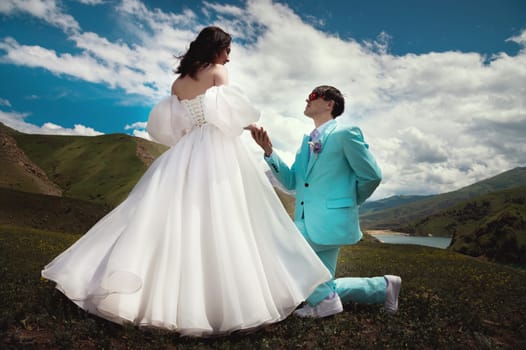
(196, 110)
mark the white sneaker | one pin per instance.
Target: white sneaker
(391, 294)
(306, 311)
(327, 307)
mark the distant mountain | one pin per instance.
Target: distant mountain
(389, 202)
(396, 217)
(469, 214)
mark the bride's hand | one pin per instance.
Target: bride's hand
(251, 127)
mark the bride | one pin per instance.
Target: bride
(202, 245)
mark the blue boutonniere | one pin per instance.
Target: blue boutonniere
(315, 147)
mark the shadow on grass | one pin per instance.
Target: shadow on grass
(447, 301)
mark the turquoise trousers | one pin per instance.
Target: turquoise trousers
(363, 290)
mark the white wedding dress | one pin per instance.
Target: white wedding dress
(202, 245)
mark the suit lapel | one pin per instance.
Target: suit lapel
(304, 153)
(323, 139)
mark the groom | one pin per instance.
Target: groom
(333, 174)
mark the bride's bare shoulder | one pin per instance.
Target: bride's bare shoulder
(212, 72)
(175, 85)
(187, 87)
(183, 87)
(219, 74)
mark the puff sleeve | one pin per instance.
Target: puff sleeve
(168, 121)
(229, 109)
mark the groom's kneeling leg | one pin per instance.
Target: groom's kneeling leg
(361, 290)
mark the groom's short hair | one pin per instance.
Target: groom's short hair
(330, 93)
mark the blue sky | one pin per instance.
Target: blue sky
(437, 86)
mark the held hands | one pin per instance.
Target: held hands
(261, 137)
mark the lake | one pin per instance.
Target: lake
(437, 242)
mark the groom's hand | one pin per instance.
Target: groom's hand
(261, 137)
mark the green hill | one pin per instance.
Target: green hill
(101, 169)
(67, 183)
(18, 171)
(469, 214)
(404, 215)
(491, 225)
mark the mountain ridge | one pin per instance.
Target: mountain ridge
(400, 216)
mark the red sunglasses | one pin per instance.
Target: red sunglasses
(314, 95)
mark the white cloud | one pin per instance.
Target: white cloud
(519, 39)
(49, 11)
(435, 121)
(421, 148)
(78, 129)
(85, 66)
(139, 130)
(5, 102)
(92, 2)
(381, 44)
(142, 134)
(229, 10)
(137, 69)
(136, 125)
(154, 21)
(15, 120)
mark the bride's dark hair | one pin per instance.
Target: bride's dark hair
(203, 50)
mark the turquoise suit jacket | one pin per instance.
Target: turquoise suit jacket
(331, 184)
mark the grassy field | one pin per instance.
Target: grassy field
(448, 301)
(39, 211)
